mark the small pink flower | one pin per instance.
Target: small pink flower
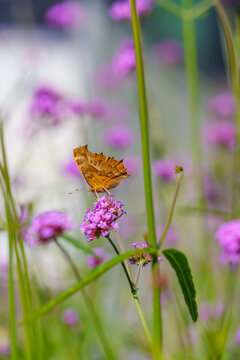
(164, 169)
(65, 15)
(118, 136)
(70, 317)
(228, 237)
(222, 105)
(94, 261)
(121, 10)
(124, 61)
(133, 164)
(71, 169)
(169, 52)
(220, 133)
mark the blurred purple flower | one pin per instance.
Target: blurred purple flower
(220, 133)
(47, 226)
(237, 336)
(228, 237)
(164, 169)
(99, 221)
(144, 258)
(127, 227)
(222, 105)
(168, 52)
(210, 189)
(65, 15)
(121, 10)
(118, 136)
(4, 347)
(133, 164)
(208, 311)
(124, 61)
(105, 77)
(48, 105)
(94, 261)
(70, 317)
(70, 168)
(171, 237)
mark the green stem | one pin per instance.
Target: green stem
(192, 77)
(123, 251)
(11, 297)
(143, 112)
(135, 297)
(170, 216)
(98, 326)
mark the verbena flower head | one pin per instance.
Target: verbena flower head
(65, 15)
(228, 237)
(48, 105)
(70, 317)
(47, 226)
(118, 136)
(164, 169)
(94, 261)
(102, 219)
(222, 105)
(220, 133)
(169, 52)
(124, 61)
(144, 258)
(121, 10)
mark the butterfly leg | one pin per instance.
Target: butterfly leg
(96, 195)
(106, 190)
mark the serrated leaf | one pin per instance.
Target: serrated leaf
(92, 275)
(77, 244)
(179, 262)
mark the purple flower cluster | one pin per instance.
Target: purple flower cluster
(220, 133)
(65, 15)
(164, 170)
(47, 226)
(49, 105)
(99, 221)
(168, 52)
(118, 136)
(228, 237)
(94, 261)
(141, 259)
(121, 10)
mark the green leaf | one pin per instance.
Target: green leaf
(77, 244)
(92, 275)
(179, 262)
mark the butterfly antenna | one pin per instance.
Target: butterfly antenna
(76, 190)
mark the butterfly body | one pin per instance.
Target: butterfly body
(102, 173)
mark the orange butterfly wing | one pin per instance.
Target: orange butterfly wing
(101, 173)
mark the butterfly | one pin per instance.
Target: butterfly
(102, 173)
